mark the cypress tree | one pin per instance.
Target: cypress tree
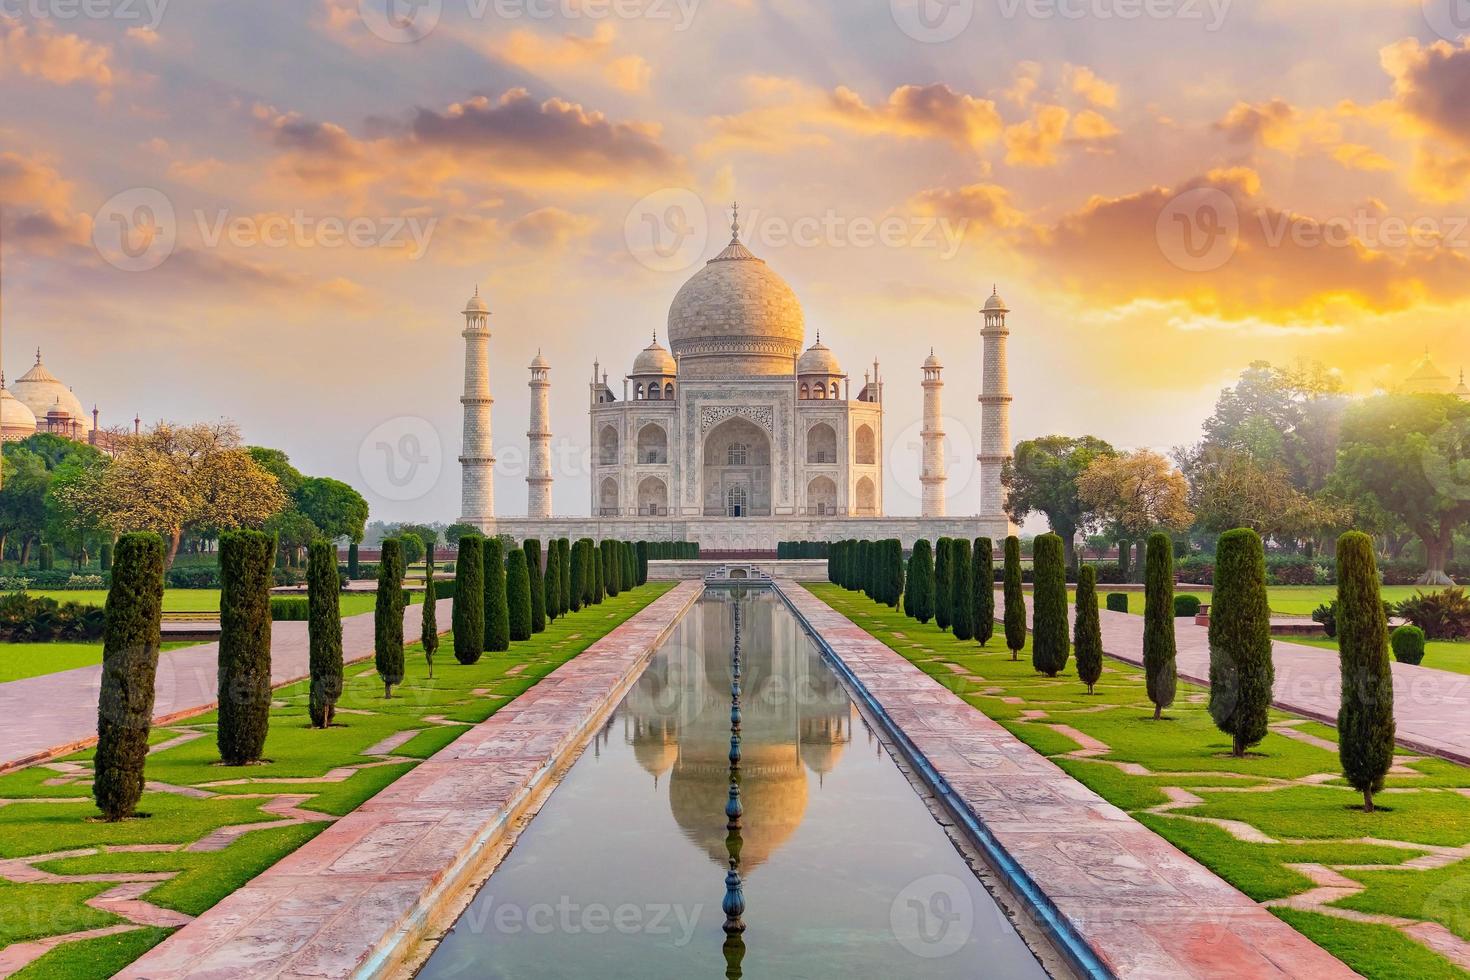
(245, 562)
(48, 558)
(429, 627)
(612, 570)
(1087, 630)
(1159, 646)
(129, 672)
(1015, 598)
(105, 558)
(532, 548)
(642, 559)
(982, 584)
(599, 580)
(630, 566)
(468, 615)
(388, 616)
(943, 584)
(518, 596)
(1123, 570)
(962, 604)
(497, 611)
(895, 571)
(353, 567)
(1050, 643)
(578, 577)
(918, 594)
(565, 565)
(552, 584)
(324, 631)
(1241, 671)
(1365, 723)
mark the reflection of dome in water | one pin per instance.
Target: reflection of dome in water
(822, 742)
(772, 790)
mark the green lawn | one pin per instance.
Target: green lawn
(1439, 654)
(1286, 600)
(204, 600)
(1289, 789)
(43, 819)
(18, 660)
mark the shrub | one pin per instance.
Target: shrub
(918, 597)
(290, 610)
(1186, 606)
(194, 576)
(982, 589)
(1159, 668)
(1015, 599)
(1365, 724)
(1241, 671)
(467, 616)
(324, 631)
(1050, 645)
(497, 609)
(962, 604)
(518, 596)
(943, 584)
(1087, 629)
(245, 560)
(41, 619)
(353, 565)
(1326, 614)
(1408, 645)
(1117, 602)
(388, 617)
(129, 669)
(1441, 615)
(537, 581)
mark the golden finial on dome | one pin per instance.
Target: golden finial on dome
(735, 223)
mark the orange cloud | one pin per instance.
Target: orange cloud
(1086, 83)
(44, 53)
(988, 205)
(37, 205)
(1429, 85)
(1033, 143)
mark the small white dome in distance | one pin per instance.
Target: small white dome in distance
(654, 359)
(818, 359)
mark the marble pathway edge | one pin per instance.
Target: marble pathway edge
(1144, 907)
(351, 901)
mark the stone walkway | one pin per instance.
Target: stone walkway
(1431, 707)
(354, 899)
(1144, 907)
(55, 714)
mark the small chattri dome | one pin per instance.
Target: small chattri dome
(995, 304)
(818, 359)
(932, 361)
(539, 361)
(655, 360)
(476, 304)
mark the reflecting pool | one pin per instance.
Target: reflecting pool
(842, 869)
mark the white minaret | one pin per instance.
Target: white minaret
(932, 474)
(478, 461)
(538, 477)
(995, 408)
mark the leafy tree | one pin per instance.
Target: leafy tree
(1015, 598)
(1138, 492)
(468, 612)
(455, 533)
(497, 610)
(129, 668)
(1042, 478)
(1241, 671)
(1159, 643)
(943, 584)
(1087, 629)
(429, 625)
(388, 616)
(278, 465)
(1365, 722)
(333, 506)
(293, 531)
(918, 598)
(1050, 645)
(245, 560)
(324, 631)
(1409, 456)
(982, 584)
(962, 602)
(518, 596)
(537, 581)
(1233, 489)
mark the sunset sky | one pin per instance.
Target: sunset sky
(1042, 147)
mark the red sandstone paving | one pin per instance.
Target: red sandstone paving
(1431, 707)
(328, 908)
(42, 717)
(1146, 908)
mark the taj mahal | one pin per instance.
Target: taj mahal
(735, 436)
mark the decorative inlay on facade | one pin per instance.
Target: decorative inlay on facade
(713, 415)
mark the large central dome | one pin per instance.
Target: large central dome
(736, 317)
